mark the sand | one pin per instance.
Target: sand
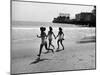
(76, 55)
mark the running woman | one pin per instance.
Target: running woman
(43, 37)
(60, 38)
(50, 34)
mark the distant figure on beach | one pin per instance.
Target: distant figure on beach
(43, 37)
(60, 38)
(50, 34)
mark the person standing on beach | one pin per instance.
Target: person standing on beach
(43, 37)
(50, 34)
(60, 38)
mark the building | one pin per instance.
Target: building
(84, 16)
(62, 18)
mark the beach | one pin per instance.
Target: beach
(79, 52)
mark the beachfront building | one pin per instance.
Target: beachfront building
(86, 18)
(62, 18)
(82, 19)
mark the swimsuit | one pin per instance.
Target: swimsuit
(50, 35)
(43, 38)
(61, 36)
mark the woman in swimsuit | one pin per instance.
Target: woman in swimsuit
(43, 37)
(60, 38)
(50, 34)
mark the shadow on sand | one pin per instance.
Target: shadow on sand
(38, 60)
(87, 41)
(58, 50)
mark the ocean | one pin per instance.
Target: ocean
(29, 30)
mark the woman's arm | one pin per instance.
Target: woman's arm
(38, 36)
(63, 34)
(54, 35)
(57, 35)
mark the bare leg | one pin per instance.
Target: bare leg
(58, 43)
(50, 43)
(41, 46)
(48, 48)
(53, 46)
(62, 44)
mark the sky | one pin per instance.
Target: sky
(44, 12)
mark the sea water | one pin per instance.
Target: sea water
(29, 30)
